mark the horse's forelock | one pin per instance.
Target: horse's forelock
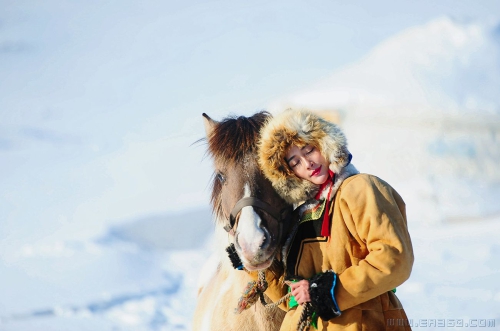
(235, 138)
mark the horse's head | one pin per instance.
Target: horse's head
(243, 200)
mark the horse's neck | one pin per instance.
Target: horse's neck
(218, 267)
(218, 300)
(222, 238)
(219, 292)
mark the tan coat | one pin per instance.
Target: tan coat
(371, 252)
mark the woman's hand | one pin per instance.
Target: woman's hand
(300, 290)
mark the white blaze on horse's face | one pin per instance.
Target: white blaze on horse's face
(251, 238)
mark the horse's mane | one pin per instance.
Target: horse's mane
(232, 140)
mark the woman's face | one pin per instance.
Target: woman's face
(308, 163)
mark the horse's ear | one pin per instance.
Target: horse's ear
(209, 124)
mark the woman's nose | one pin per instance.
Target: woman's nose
(310, 164)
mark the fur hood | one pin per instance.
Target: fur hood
(300, 127)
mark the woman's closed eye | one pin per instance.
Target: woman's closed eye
(309, 150)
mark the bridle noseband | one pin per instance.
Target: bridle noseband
(278, 215)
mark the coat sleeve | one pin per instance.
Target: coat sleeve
(374, 214)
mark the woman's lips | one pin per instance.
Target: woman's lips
(316, 171)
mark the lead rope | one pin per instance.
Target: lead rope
(255, 290)
(252, 292)
(306, 317)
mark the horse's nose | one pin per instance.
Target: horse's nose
(252, 239)
(252, 247)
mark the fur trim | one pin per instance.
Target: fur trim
(299, 128)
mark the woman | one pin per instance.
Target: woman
(350, 247)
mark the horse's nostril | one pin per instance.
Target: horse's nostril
(267, 239)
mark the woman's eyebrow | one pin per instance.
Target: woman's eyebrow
(291, 157)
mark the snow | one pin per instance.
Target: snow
(439, 68)
(455, 273)
(105, 224)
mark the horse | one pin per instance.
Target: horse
(248, 214)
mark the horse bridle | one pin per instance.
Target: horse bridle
(278, 215)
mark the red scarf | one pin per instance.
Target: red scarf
(325, 227)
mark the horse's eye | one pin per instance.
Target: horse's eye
(221, 177)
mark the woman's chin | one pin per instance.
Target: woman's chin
(318, 180)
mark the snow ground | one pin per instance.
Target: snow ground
(124, 280)
(119, 285)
